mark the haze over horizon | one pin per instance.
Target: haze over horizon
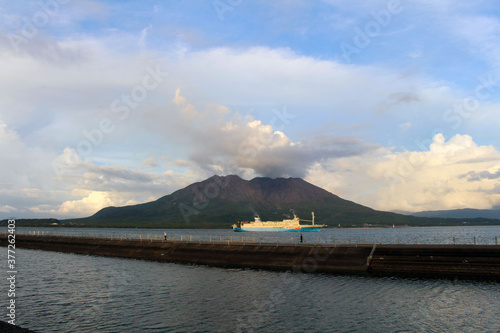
(391, 104)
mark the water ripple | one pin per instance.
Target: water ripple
(60, 292)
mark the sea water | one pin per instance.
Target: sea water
(486, 235)
(60, 292)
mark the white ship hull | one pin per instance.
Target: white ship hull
(302, 228)
(277, 226)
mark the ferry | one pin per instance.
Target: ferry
(285, 225)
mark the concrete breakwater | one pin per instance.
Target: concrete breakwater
(433, 261)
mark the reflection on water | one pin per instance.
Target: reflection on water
(59, 292)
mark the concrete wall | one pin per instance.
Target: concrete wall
(441, 261)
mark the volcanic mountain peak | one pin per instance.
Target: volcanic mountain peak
(220, 201)
(274, 192)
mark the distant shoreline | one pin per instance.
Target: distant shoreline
(258, 232)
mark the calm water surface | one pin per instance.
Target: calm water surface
(421, 235)
(59, 292)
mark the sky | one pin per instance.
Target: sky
(392, 104)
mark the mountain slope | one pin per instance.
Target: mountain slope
(221, 201)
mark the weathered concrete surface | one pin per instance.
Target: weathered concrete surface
(442, 261)
(448, 261)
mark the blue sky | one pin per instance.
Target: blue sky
(392, 104)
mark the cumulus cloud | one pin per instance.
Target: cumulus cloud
(247, 145)
(436, 178)
(93, 187)
(87, 175)
(200, 120)
(88, 205)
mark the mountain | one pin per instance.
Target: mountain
(218, 202)
(461, 213)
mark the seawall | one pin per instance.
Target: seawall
(433, 261)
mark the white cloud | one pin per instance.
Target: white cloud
(16, 172)
(178, 99)
(443, 177)
(7, 209)
(248, 146)
(88, 205)
(279, 76)
(60, 87)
